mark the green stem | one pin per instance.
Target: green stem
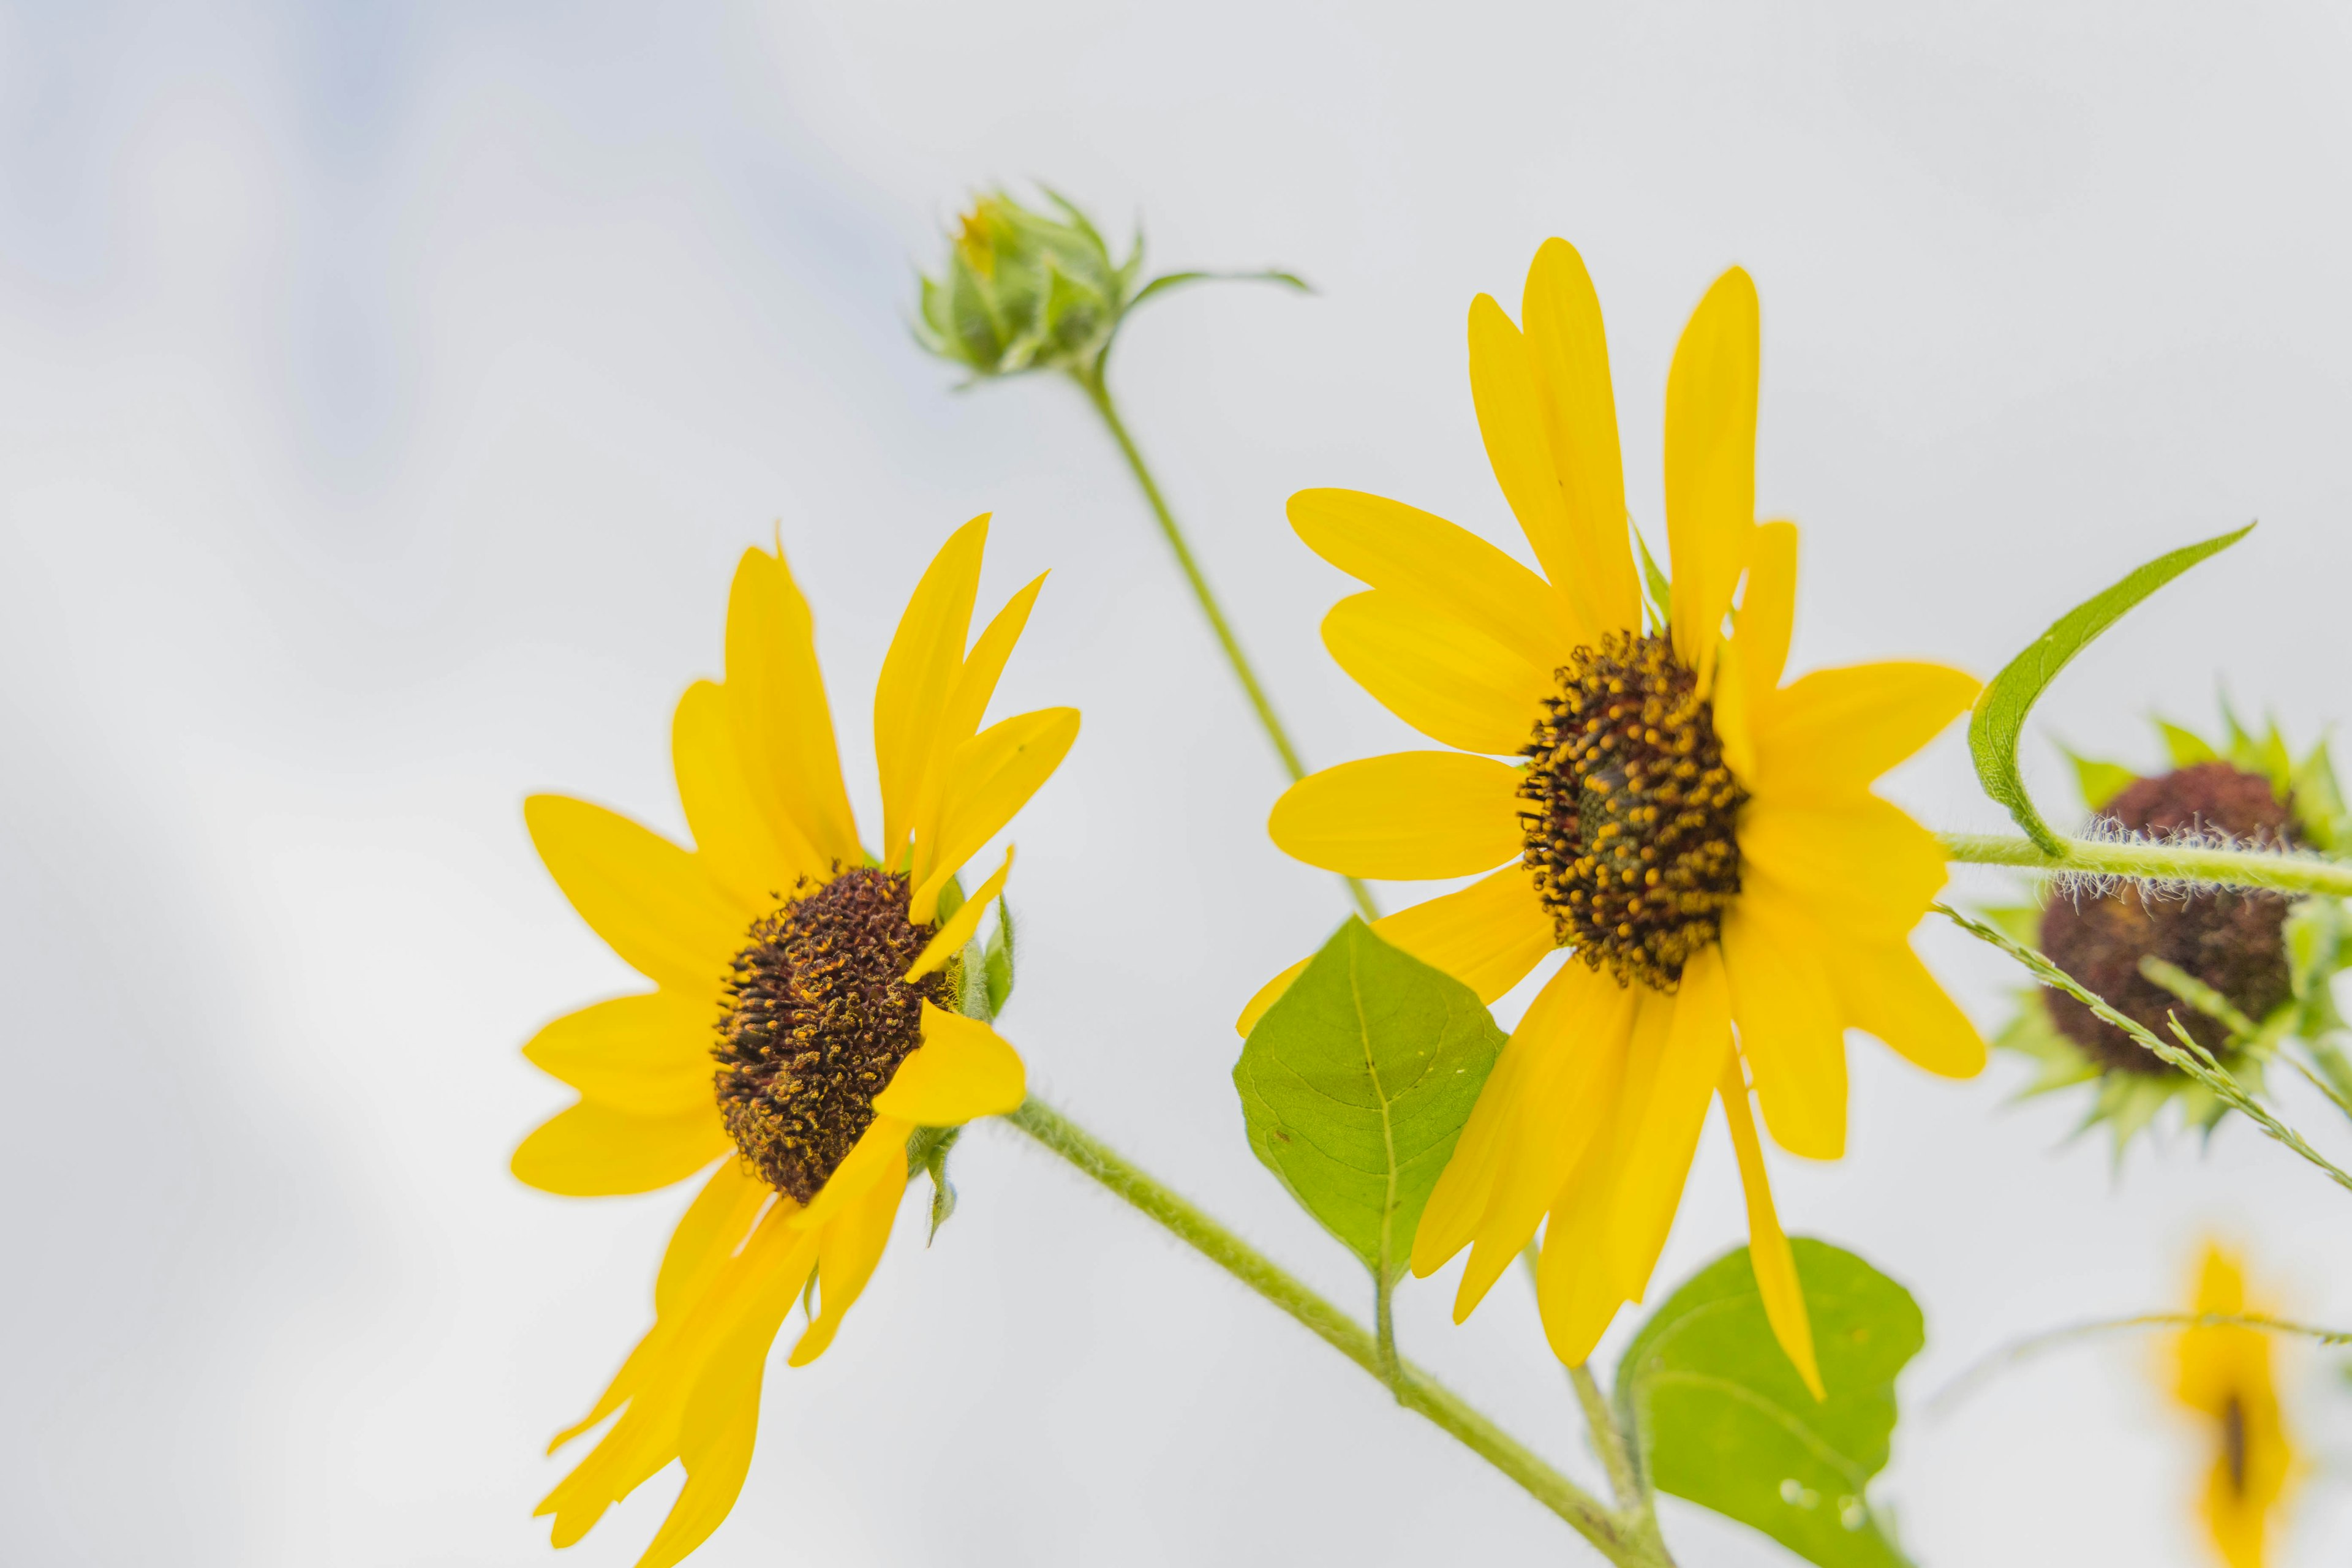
(2283, 873)
(1617, 1538)
(1098, 391)
(1614, 1457)
(2002, 1360)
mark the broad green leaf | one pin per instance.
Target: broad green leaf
(2101, 782)
(1356, 1084)
(2186, 747)
(1722, 1418)
(2002, 708)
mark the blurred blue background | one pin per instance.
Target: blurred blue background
(386, 391)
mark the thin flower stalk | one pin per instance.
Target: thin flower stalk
(2268, 868)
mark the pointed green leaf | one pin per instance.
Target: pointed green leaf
(1722, 1419)
(2101, 782)
(2002, 707)
(1356, 1084)
(1168, 280)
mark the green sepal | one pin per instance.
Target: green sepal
(2002, 707)
(1657, 591)
(996, 960)
(1355, 1086)
(2186, 747)
(2099, 782)
(926, 1154)
(2318, 803)
(1721, 1418)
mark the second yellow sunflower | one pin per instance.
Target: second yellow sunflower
(1703, 838)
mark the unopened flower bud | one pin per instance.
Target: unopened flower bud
(1025, 291)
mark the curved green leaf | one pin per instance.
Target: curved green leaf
(2001, 707)
(1720, 1416)
(1356, 1084)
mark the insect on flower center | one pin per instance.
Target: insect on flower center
(1631, 813)
(816, 1018)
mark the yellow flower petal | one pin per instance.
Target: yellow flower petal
(1885, 989)
(708, 1233)
(1573, 1293)
(1399, 549)
(2225, 1373)
(1711, 463)
(1446, 678)
(967, 704)
(848, 1250)
(1789, 1030)
(1568, 353)
(1411, 816)
(777, 711)
(1584, 1029)
(593, 1151)
(1657, 1158)
(1767, 610)
(1512, 422)
(735, 842)
(880, 1149)
(1827, 735)
(1767, 1245)
(648, 1055)
(644, 895)
(1860, 866)
(918, 676)
(963, 1071)
(948, 939)
(1487, 936)
(990, 777)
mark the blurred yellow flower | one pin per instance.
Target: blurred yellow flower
(1703, 838)
(2224, 1374)
(835, 986)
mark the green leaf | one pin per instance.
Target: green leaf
(1356, 1084)
(2101, 782)
(2186, 747)
(1722, 1419)
(1168, 280)
(2002, 707)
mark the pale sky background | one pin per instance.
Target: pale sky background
(390, 388)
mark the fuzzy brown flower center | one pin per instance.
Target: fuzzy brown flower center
(816, 1019)
(2233, 941)
(1631, 814)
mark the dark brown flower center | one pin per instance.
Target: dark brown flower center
(816, 1019)
(1631, 815)
(2233, 942)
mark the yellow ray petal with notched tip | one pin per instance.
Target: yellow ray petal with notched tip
(1768, 1246)
(1825, 736)
(1512, 424)
(644, 895)
(967, 704)
(777, 712)
(852, 1242)
(1657, 1158)
(990, 777)
(1790, 1029)
(1584, 1040)
(1767, 617)
(948, 939)
(1861, 868)
(1410, 815)
(735, 842)
(1568, 352)
(1446, 678)
(1711, 464)
(648, 1055)
(918, 676)
(962, 1070)
(1884, 990)
(1488, 936)
(1422, 557)
(593, 1151)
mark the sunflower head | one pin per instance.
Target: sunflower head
(1023, 289)
(2243, 972)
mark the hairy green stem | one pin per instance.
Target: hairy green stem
(2010, 1355)
(1098, 391)
(1619, 1539)
(2285, 873)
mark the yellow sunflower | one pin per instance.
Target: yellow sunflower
(1703, 838)
(808, 1015)
(2224, 1374)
